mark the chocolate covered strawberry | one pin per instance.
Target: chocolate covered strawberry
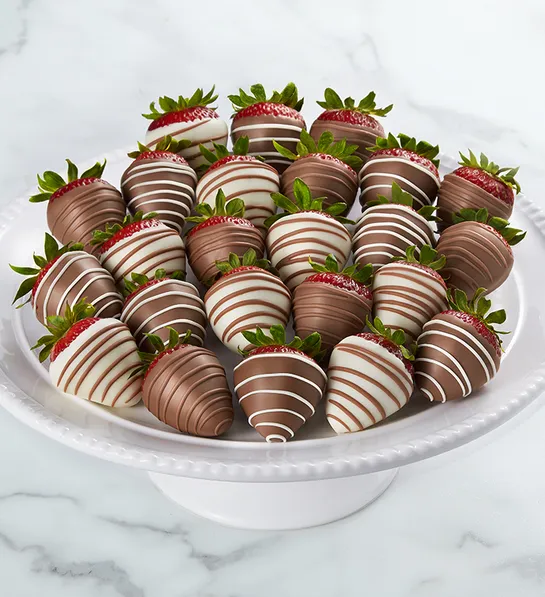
(139, 244)
(220, 231)
(154, 305)
(305, 229)
(409, 291)
(478, 183)
(185, 386)
(92, 358)
(189, 118)
(263, 119)
(459, 350)
(369, 378)
(333, 302)
(79, 205)
(389, 225)
(328, 168)
(246, 296)
(239, 175)
(64, 276)
(346, 120)
(279, 384)
(478, 250)
(411, 164)
(160, 181)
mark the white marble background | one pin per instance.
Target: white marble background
(74, 77)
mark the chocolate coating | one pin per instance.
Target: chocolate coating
(214, 243)
(378, 174)
(161, 186)
(74, 216)
(453, 359)
(456, 193)
(162, 305)
(187, 389)
(261, 130)
(73, 276)
(278, 405)
(385, 231)
(326, 178)
(476, 257)
(333, 312)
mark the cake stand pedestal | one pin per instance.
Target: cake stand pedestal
(274, 506)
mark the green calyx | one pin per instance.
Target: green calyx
(168, 104)
(58, 326)
(506, 175)
(478, 307)
(277, 337)
(288, 96)
(235, 209)
(139, 280)
(401, 197)
(249, 259)
(361, 274)
(303, 201)
(147, 358)
(513, 236)
(325, 145)
(101, 236)
(367, 105)
(428, 256)
(423, 148)
(52, 251)
(241, 147)
(397, 337)
(165, 144)
(50, 181)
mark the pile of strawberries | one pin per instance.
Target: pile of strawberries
(380, 306)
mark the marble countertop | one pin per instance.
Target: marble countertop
(74, 77)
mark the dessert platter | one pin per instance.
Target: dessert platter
(272, 330)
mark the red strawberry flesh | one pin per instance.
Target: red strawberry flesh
(479, 326)
(327, 158)
(146, 285)
(231, 158)
(352, 117)
(77, 329)
(129, 231)
(161, 155)
(277, 350)
(243, 268)
(409, 155)
(215, 220)
(341, 281)
(435, 274)
(498, 234)
(161, 355)
(41, 276)
(187, 115)
(80, 182)
(488, 182)
(268, 109)
(389, 346)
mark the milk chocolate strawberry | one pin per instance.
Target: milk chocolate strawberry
(370, 377)
(411, 164)
(220, 231)
(346, 120)
(279, 384)
(389, 225)
(409, 291)
(305, 229)
(478, 250)
(478, 183)
(160, 181)
(189, 118)
(459, 350)
(333, 302)
(246, 296)
(185, 386)
(263, 119)
(91, 358)
(139, 244)
(155, 305)
(239, 175)
(78, 206)
(328, 168)
(63, 277)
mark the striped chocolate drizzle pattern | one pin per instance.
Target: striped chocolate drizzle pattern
(363, 137)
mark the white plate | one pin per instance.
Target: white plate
(134, 437)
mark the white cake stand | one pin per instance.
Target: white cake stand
(239, 480)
